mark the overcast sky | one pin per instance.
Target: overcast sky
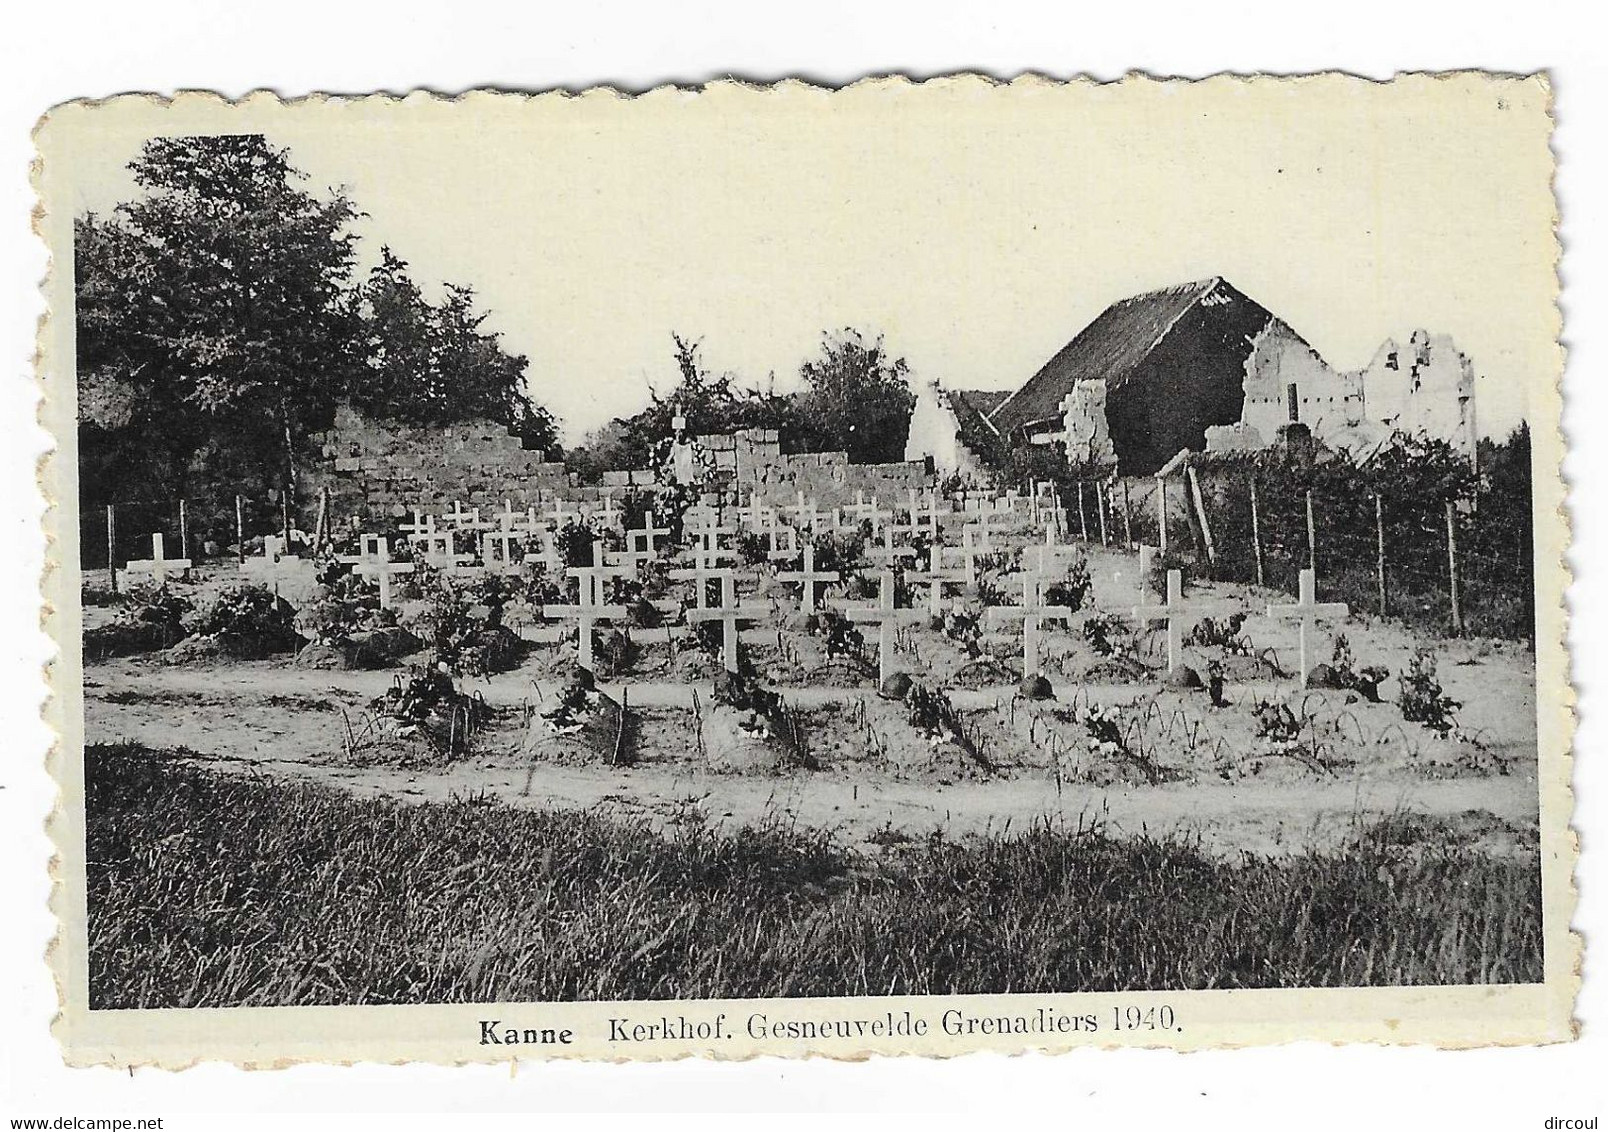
(979, 228)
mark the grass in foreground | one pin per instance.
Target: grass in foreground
(213, 890)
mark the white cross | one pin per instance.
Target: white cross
(969, 551)
(706, 567)
(707, 536)
(888, 554)
(859, 511)
(1171, 612)
(497, 549)
(805, 514)
(610, 515)
(1032, 612)
(783, 541)
(558, 516)
(640, 542)
(729, 613)
(809, 578)
(587, 611)
(374, 561)
(422, 524)
(273, 564)
(936, 580)
(438, 550)
(1306, 612)
(156, 565)
(886, 618)
(1044, 558)
(462, 520)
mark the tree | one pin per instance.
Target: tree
(856, 399)
(710, 402)
(432, 364)
(215, 323)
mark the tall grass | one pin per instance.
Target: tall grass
(212, 890)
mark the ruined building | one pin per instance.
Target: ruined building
(1201, 366)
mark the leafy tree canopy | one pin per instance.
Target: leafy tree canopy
(219, 323)
(856, 399)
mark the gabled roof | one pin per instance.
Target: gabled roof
(976, 403)
(1110, 348)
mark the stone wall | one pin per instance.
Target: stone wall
(375, 469)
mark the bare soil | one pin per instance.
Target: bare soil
(868, 774)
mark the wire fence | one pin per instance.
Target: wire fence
(197, 529)
(1456, 568)
(1447, 567)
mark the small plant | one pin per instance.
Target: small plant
(935, 718)
(1212, 633)
(761, 713)
(1346, 675)
(1104, 727)
(577, 704)
(152, 617)
(841, 638)
(248, 621)
(1422, 698)
(1276, 725)
(574, 541)
(463, 623)
(1105, 633)
(962, 626)
(615, 652)
(751, 549)
(425, 704)
(1073, 590)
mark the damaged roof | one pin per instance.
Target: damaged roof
(1111, 348)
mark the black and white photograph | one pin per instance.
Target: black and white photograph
(942, 567)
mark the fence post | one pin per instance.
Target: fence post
(1451, 564)
(1199, 501)
(1127, 516)
(1102, 500)
(240, 530)
(1312, 535)
(321, 528)
(284, 515)
(1256, 534)
(1161, 513)
(184, 529)
(1083, 518)
(1379, 541)
(111, 543)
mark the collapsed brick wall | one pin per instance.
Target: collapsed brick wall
(374, 469)
(751, 463)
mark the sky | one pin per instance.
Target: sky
(977, 226)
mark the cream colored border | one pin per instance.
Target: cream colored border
(1445, 1016)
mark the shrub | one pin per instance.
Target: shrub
(462, 621)
(1108, 635)
(751, 549)
(248, 621)
(1346, 675)
(1072, 590)
(842, 639)
(339, 610)
(1211, 633)
(574, 541)
(151, 618)
(1422, 699)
